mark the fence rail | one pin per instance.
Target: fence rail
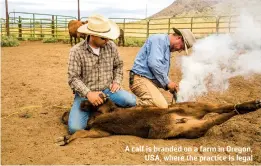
(36, 25)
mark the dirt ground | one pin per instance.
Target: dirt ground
(35, 94)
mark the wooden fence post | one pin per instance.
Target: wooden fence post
(41, 29)
(229, 24)
(124, 25)
(1, 27)
(34, 25)
(7, 21)
(56, 28)
(191, 25)
(31, 28)
(217, 24)
(169, 26)
(65, 24)
(20, 35)
(148, 28)
(52, 25)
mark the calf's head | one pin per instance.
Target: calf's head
(106, 107)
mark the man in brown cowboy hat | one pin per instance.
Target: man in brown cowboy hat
(95, 68)
(151, 66)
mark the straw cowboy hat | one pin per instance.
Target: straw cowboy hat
(100, 26)
(188, 37)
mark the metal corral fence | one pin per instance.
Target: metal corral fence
(35, 25)
(200, 26)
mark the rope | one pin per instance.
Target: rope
(174, 97)
(235, 109)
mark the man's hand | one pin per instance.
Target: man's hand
(172, 86)
(115, 87)
(94, 98)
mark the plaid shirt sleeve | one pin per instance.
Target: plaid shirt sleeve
(117, 65)
(74, 74)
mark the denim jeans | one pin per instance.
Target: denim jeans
(78, 119)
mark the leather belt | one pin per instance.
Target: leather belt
(136, 74)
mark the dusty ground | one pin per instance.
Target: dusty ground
(35, 94)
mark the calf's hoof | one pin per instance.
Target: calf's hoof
(62, 141)
(248, 107)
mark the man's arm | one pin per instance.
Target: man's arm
(74, 74)
(158, 64)
(117, 66)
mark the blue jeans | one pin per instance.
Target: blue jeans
(78, 119)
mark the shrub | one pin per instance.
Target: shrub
(65, 41)
(9, 41)
(50, 40)
(33, 39)
(134, 42)
(22, 38)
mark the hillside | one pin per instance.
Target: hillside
(208, 7)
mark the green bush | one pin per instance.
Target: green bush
(50, 40)
(64, 41)
(9, 41)
(134, 42)
(22, 38)
(33, 39)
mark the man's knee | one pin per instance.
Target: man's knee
(128, 101)
(163, 105)
(131, 101)
(123, 98)
(160, 101)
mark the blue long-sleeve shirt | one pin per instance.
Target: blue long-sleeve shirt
(153, 59)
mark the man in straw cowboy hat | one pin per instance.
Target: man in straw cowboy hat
(95, 68)
(151, 66)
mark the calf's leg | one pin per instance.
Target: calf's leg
(119, 42)
(75, 40)
(192, 128)
(71, 39)
(194, 109)
(123, 41)
(197, 128)
(199, 110)
(92, 133)
(242, 108)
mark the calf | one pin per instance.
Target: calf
(73, 25)
(179, 120)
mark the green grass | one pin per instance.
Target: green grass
(134, 42)
(50, 40)
(34, 38)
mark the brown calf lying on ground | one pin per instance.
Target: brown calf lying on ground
(73, 25)
(179, 120)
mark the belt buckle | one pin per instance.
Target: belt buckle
(136, 74)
